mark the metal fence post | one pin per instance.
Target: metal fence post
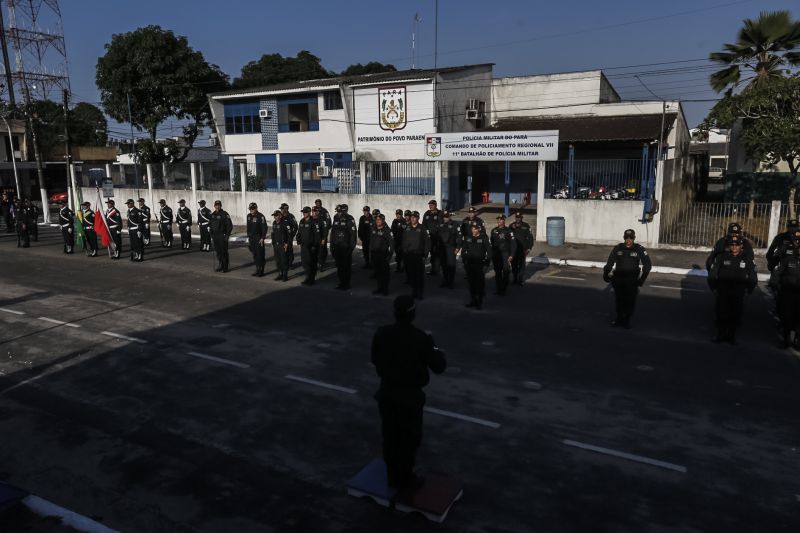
(150, 184)
(571, 171)
(362, 182)
(541, 198)
(658, 193)
(437, 183)
(193, 173)
(774, 219)
(243, 180)
(298, 187)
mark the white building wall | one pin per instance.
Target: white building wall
(243, 143)
(333, 134)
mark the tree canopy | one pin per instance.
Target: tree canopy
(373, 67)
(272, 69)
(87, 126)
(164, 78)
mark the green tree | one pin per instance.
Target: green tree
(373, 67)
(164, 77)
(88, 125)
(272, 69)
(762, 52)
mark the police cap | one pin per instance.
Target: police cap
(447, 214)
(162, 202)
(415, 214)
(471, 209)
(734, 227)
(315, 209)
(86, 204)
(407, 213)
(141, 200)
(376, 212)
(181, 201)
(202, 203)
(130, 201)
(344, 207)
(217, 202)
(306, 209)
(318, 201)
(518, 215)
(381, 216)
(252, 206)
(284, 206)
(398, 211)
(432, 202)
(365, 208)
(110, 202)
(277, 213)
(501, 217)
(629, 234)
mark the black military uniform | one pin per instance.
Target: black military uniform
(135, 231)
(203, 220)
(787, 275)
(476, 252)
(256, 235)
(8, 213)
(416, 246)
(220, 227)
(402, 355)
(147, 216)
(731, 277)
(466, 224)
(165, 224)
(184, 220)
(22, 220)
(88, 229)
(343, 242)
(722, 245)
(281, 242)
(114, 225)
(309, 237)
(289, 219)
(364, 232)
(781, 241)
(432, 219)
(504, 246)
(381, 246)
(524, 237)
(66, 219)
(625, 259)
(323, 220)
(32, 215)
(449, 236)
(398, 227)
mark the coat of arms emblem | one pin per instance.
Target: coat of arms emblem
(392, 108)
(433, 146)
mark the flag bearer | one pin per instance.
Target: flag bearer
(88, 229)
(184, 220)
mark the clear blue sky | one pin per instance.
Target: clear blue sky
(520, 36)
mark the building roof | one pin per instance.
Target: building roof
(362, 79)
(593, 128)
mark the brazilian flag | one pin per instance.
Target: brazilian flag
(80, 236)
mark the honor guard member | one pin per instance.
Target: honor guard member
(476, 252)
(33, 218)
(135, 231)
(203, 220)
(402, 355)
(184, 220)
(504, 246)
(165, 223)
(398, 227)
(88, 229)
(22, 220)
(308, 237)
(524, 237)
(289, 218)
(281, 233)
(8, 213)
(731, 276)
(466, 224)
(381, 246)
(343, 241)
(781, 241)
(786, 276)
(734, 228)
(432, 219)
(220, 227)
(114, 224)
(325, 228)
(256, 236)
(147, 216)
(627, 277)
(416, 246)
(66, 219)
(364, 233)
(449, 246)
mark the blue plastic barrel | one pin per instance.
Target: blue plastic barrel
(555, 231)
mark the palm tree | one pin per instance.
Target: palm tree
(763, 50)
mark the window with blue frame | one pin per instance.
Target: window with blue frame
(242, 117)
(298, 114)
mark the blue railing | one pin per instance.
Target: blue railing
(598, 178)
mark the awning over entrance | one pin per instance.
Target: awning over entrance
(644, 128)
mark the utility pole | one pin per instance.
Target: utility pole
(73, 196)
(37, 153)
(6, 62)
(133, 145)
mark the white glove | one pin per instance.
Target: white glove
(69, 230)
(139, 234)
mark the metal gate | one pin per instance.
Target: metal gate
(702, 224)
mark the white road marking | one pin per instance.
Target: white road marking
(676, 288)
(123, 337)
(218, 359)
(323, 345)
(532, 385)
(625, 455)
(11, 311)
(321, 384)
(565, 355)
(488, 343)
(566, 277)
(465, 418)
(220, 325)
(59, 322)
(644, 368)
(69, 518)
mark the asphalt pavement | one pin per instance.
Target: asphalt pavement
(161, 396)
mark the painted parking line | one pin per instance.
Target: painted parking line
(322, 384)
(11, 311)
(676, 288)
(59, 322)
(565, 277)
(465, 418)
(218, 359)
(66, 517)
(625, 455)
(123, 337)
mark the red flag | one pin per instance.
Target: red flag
(101, 229)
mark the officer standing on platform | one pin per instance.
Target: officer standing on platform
(308, 237)
(432, 219)
(289, 219)
(323, 220)
(343, 242)
(504, 246)
(416, 246)
(625, 259)
(524, 237)
(165, 223)
(398, 227)
(114, 224)
(256, 236)
(731, 276)
(364, 233)
(449, 246)
(402, 355)
(184, 220)
(147, 216)
(203, 220)
(66, 219)
(476, 252)
(88, 229)
(786, 275)
(221, 227)
(135, 231)
(466, 224)
(381, 245)
(281, 233)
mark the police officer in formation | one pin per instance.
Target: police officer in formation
(32, 218)
(524, 237)
(8, 212)
(626, 269)
(66, 219)
(722, 245)
(398, 227)
(256, 237)
(364, 233)
(309, 237)
(289, 219)
(24, 221)
(203, 221)
(135, 231)
(324, 220)
(381, 246)
(88, 229)
(165, 223)
(184, 220)
(466, 224)
(343, 241)
(147, 216)
(416, 247)
(449, 238)
(221, 227)
(114, 224)
(432, 219)
(504, 246)
(281, 243)
(476, 253)
(785, 279)
(731, 276)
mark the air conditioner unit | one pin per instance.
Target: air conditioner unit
(472, 114)
(264, 113)
(322, 171)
